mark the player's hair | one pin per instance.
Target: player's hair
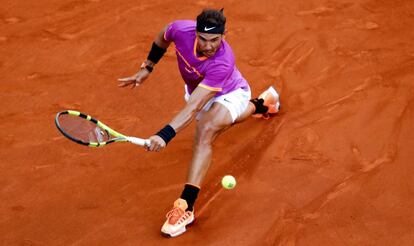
(212, 16)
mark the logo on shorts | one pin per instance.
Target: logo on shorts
(225, 99)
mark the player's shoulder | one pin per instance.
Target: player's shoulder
(183, 25)
(180, 31)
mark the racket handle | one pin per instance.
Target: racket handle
(139, 141)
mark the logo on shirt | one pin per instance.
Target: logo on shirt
(208, 28)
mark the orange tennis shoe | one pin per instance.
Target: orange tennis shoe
(177, 219)
(271, 100)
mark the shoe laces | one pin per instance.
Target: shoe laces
(177, 216)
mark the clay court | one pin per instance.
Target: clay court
(334, 167)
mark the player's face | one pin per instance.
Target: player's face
(208, 43)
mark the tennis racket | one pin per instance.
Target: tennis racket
(85, 130)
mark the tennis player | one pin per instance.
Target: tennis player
(217, 96)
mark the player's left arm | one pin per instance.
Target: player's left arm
(196, 102)
(159, 47)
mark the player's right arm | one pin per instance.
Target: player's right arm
(158, 49)
(199, 97)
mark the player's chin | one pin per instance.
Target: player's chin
(209, 53)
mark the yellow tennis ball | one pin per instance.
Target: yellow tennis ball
(228, 182)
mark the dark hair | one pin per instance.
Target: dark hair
(212, 16)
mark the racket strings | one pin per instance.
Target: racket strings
(82, 129)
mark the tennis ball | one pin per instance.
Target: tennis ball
(228, 182)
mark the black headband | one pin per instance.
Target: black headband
(208, 27)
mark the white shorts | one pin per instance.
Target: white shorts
(236, 102)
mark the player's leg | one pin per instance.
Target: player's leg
(247, 113)
(209, 126)
(265, 104)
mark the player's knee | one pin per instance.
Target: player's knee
(205, 132)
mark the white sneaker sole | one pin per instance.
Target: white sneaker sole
(179, 232)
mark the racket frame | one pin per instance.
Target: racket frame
(118, 136)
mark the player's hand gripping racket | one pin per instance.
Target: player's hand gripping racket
(85, 130)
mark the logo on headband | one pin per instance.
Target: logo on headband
(209, 28)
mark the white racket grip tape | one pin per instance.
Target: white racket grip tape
(139, 141)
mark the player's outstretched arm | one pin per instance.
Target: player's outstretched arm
(196, 102)
(158, 49)
(199, 97)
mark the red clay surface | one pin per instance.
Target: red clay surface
(333, 168)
